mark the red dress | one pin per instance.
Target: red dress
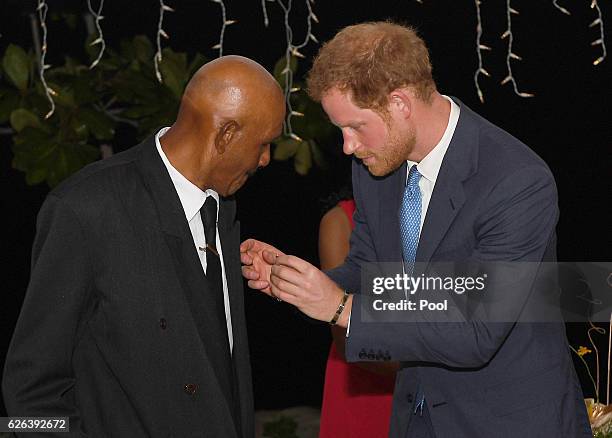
(356, 402)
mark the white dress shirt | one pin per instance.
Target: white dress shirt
(192, 199)
(429, 167)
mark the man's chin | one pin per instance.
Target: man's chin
(238, 185)
(377, 169)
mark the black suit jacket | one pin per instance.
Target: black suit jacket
(494, 200)
(117, 328)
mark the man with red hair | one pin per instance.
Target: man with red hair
(434, 182)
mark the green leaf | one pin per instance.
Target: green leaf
(43, 157)
(76, 130)
(198, 61)
(139, 111)
(89, 89)
(174, 71)
(285, 149)
(279, 68)
(283, 427)
(143, 49)
(17, 65)
(21, 118)
(315, 123)
(32, 148)
(59, 168)
(68, 159)
(317, 155)
(99, 124)
(303, 159)
(9, 100)
(64, 93)
(36, 175)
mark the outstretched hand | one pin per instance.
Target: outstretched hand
(297, 282)
(257, 259)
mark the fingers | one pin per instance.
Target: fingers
(261, 285)
(288, 275)
(293, 262)
(246, 258)
(249, 273)
(269, 257)
(282, 295)
(280, 284)
(247, 245)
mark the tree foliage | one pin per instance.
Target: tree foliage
(121, 89)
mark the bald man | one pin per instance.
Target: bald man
(133, 322)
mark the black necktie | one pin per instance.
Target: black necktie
(208, 213)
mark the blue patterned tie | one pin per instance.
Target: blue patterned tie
(410, 218)
(410, 229)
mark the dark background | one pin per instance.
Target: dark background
(567, 123)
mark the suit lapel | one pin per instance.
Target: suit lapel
(459, 163)
(174, 227)
(229, 233)
(446, 200)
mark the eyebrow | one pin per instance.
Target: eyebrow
(350, 123)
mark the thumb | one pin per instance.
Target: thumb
(269, 257)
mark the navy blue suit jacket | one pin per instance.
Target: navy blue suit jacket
(494, 200)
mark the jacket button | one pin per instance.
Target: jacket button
(163, 324)
(191, 388)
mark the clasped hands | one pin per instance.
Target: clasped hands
(292, 280)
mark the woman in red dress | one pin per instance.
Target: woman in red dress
(357, 396)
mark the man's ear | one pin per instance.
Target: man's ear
(400, 101)
(225, 135)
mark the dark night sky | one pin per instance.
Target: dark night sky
(567, 123)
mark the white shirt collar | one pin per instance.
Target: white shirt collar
(191, 196)
(429, 167)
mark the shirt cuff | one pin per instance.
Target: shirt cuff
(348, 324)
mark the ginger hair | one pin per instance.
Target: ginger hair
(370, 60)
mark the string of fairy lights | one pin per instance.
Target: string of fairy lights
(97, 15)
(561, 8)
(479, 48)
(224, 23)
(600, 41)
(512, 56)
(293, 50)
(265, 11)
(42, 9)
(157, 58)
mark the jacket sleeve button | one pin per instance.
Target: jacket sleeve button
(191, 388)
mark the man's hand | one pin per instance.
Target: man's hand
(257, 259)
(297, 282)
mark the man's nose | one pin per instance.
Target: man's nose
(350, 144)
(264, 160)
